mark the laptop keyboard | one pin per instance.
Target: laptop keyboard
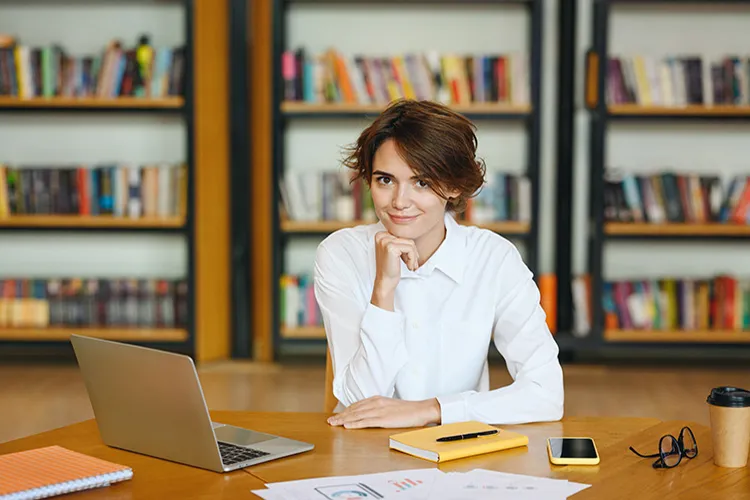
(232, 454)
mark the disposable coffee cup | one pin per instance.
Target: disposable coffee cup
(729, 409)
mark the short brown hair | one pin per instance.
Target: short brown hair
(436, 142)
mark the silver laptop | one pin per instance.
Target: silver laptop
(151, 402)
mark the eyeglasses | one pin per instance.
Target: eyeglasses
(672, 450)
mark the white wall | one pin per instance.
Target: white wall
(372, 29)
(52, 139)
(647, 147)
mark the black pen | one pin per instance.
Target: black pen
(459, 437)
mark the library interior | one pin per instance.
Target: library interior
(345, 249)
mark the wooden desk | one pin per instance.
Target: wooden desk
(621, 475)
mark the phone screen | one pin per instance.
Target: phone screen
(572, 448)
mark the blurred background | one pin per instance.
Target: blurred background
(168, 167)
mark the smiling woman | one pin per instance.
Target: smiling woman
(411, 304)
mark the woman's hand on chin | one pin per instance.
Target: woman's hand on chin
(379, 411)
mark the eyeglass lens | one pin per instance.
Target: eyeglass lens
(670, 451)
(688, 442)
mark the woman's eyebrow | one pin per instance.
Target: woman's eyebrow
(381, 172)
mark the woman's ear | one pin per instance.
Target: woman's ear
(453, 195)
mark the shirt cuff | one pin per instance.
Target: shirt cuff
(379, 324)
(452, 408)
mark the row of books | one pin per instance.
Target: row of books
(719, 303)
(672, 197)
(141, 70)
(316, 196)
(370, 79)
(118, 190)
(503, 197)
(678, 80)
(297, 301)
(126, 302)
(321, 196)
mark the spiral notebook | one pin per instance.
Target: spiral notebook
(54, 470)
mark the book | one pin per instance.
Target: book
(422, 443)
(54, 470)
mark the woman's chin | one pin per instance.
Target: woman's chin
(401, 230)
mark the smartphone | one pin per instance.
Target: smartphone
(572, 451)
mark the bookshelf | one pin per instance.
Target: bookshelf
(183, 107)
(287, 113)
(603, 232)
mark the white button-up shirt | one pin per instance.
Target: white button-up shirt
(475, 288)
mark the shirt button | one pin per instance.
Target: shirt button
(415, 325)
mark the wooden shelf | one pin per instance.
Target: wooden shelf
(91, 102)
(718, 110)
(679, 336)
(502, 227)
(354, 2)
(675, 229)
(85, 221)
(301, 108)
(322, 227)
(303, 332)
(119, 334)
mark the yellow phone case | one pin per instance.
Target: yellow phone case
(572, 461)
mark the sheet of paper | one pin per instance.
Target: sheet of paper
(424, 484)
(521, 480)
(482, 484)
(403, 485)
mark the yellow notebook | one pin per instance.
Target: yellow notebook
(423, 443)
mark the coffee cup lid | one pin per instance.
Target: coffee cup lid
(731, 397)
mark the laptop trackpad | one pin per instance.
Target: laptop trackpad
(240, 436)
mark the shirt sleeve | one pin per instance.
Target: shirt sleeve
(521, 335)
(366, 342)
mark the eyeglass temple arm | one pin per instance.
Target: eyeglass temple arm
(645, 456)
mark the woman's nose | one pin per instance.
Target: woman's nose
(401, 198)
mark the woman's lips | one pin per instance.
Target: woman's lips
(402, 219)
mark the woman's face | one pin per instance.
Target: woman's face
(404, 203)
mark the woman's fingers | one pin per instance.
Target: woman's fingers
(360, 406)
(407, 252)
(356, 416)
(365, 423)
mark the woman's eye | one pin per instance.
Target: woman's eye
(422, 184)
(384, 180)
